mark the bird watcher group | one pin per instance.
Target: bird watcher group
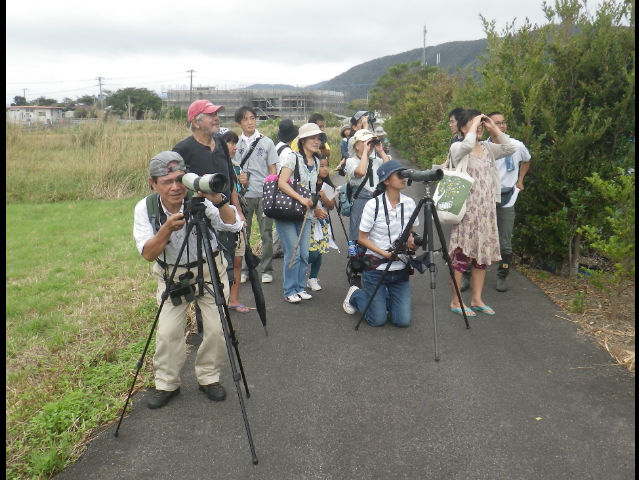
(378, 213)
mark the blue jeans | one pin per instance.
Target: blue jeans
(294, 278)
(393, 295)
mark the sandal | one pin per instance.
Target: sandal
(458, 311)
(239, 308)
(486, 309)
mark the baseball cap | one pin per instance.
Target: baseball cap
(201, 106)
(159, 165)
(362, 135)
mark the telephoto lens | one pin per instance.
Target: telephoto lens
(209, 183)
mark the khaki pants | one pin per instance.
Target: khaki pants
(171, 351)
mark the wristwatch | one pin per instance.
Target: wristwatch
(223, 201)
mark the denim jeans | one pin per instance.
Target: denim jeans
(294, 278)
(393, 295)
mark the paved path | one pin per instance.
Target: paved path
(522, 395)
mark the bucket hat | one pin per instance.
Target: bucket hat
(309, 130)
(287, 131)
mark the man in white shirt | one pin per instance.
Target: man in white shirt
(160, 242)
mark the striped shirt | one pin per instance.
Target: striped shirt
(377, 227)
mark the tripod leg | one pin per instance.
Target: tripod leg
(372, 296)
(164, 297)
(428, 235)
(223, 314)
(141, 361)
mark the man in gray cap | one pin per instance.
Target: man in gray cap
(159, 231)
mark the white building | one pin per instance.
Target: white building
(34, 115)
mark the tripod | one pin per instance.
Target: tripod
(197, 219)
(426, 258)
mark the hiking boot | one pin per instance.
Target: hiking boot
(503, 272)
(215, 391)
(160, 398)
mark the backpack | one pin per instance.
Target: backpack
(156, 215)
(345, 192)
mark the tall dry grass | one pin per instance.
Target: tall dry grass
(101, 160)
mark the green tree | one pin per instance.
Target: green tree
(19, 101)
(86, 100)
(574, 108)
(45, 102)
(417, 99)
(137, 103)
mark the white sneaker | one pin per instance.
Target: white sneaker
(243, 278)
(267, 278)
(304, 295)
(313, 284)
(346, 306)
(293, 298)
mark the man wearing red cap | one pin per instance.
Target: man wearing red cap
(205, 152)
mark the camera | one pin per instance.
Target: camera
(404, 249)
(182, 289)
(209, 183)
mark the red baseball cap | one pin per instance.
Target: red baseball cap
(201, 106)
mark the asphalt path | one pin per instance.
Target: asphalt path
(520, 395)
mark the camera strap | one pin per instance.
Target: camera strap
(386, 216)
(368, 176)
(251, 149)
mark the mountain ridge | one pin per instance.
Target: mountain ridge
(359, 79)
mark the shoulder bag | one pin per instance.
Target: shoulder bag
(452, 191)
(279, 205)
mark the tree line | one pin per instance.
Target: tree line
(568, 91)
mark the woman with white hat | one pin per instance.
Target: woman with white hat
(361, 169)
(294, 271)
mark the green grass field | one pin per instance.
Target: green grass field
(80, 300)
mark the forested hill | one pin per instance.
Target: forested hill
(358, 80)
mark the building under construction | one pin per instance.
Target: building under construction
(296, 104)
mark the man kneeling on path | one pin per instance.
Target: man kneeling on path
(160, 241)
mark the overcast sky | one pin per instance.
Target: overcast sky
(59, 48)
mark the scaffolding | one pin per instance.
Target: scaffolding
(273, 103)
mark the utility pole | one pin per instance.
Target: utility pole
(191, 85)
(424, 46)
(100, 86)
(24, 94)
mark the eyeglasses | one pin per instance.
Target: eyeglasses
(501, 124)
(169, 183)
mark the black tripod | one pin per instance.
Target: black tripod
(198, 220)
(427, 258)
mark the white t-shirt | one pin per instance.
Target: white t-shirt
(143, 232)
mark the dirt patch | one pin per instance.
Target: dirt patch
(590, 308)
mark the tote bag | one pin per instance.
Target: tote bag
(452, 191)
(279, 205)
